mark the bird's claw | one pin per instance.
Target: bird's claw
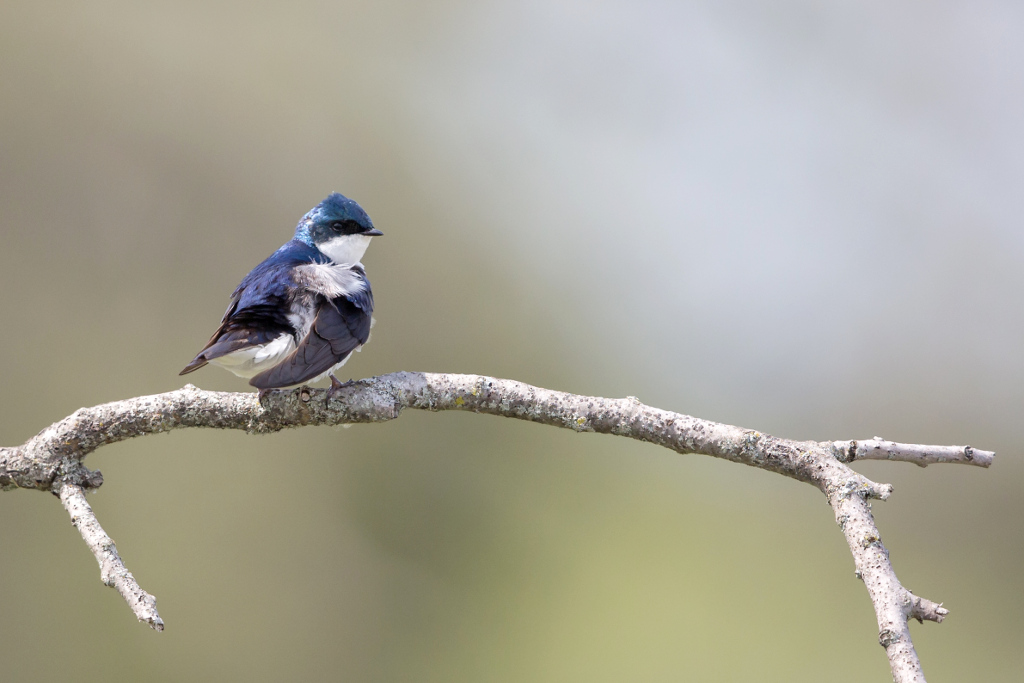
(336, 386)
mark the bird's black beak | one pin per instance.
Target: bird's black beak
(373, 232)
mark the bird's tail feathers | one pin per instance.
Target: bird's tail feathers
(194, 365)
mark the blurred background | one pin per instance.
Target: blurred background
(798, 217)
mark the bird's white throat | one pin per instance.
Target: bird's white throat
(345, 248)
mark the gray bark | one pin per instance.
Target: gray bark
(52, 461)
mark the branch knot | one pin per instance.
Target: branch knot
(887, 637)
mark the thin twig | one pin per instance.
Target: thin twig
(113, 573)
(52, 460)
(878, 448)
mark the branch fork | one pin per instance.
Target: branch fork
(52, 461)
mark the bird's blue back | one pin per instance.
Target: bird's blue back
(271, 281)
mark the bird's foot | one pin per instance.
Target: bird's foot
(336, 386)
(262, 394)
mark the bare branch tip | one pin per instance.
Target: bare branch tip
(873, 490)
(882, 491)
(147, 614)
(923, 610)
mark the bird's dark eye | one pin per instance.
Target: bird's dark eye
(337, 226)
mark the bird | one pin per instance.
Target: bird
(300, 314)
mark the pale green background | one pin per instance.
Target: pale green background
(799, 217)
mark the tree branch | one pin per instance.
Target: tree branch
(880, 449)
(52, 460)
(113, 573)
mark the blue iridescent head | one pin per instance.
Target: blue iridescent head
(338, 227)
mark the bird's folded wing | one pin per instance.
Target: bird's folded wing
(251, 326)
(340, 327)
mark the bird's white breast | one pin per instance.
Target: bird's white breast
(329, 279)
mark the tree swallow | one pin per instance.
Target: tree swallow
(299, 315)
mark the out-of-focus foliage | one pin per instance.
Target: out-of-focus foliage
(798, 217)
